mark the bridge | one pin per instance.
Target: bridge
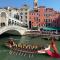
(9, 23)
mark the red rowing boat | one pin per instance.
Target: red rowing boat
(45, 50)
(27, 48)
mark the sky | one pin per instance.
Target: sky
(55, 4)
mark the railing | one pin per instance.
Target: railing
(15, 21)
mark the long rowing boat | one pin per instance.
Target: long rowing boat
(27, 48)
(33, 49)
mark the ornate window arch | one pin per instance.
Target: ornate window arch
(3, 14)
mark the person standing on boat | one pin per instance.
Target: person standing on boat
(53, 44)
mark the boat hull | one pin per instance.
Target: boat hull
(53, 54)
(17, 49)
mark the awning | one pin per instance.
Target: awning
(50, 28)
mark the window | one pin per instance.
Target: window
(16, 16)
(30, 17)
(45, 25)
(39, 24)
(15, 22)
(21, 13)
(3, 14)
(25, 20)
(21, 17)
(12, 22)
(47, 15)
(9, 22)
(47, 20)
(39, 14)
(48, 24)
(26, 17)
(2, 24)
(21, 20)
(39, 20)
(36, 18)
(25, 9)
(35, 4)
(32, 13)
(26, 13)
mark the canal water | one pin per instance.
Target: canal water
(6, 54)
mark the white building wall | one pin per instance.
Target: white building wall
(23, 11)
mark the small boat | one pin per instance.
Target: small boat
(27, 48)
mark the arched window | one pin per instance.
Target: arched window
(15, 22)
(2, 24)
(3, 14)
(16, 16)
(12, 22)
(9, 22)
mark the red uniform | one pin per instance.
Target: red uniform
(53, 45)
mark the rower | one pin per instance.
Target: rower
(53, 44)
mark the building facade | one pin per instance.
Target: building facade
(45, 17)
(24, 15)
(7, 13)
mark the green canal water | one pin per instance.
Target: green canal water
(5, 55)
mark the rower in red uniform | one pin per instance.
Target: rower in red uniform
(55, 53)
(53, 44)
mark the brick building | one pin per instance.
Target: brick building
(45, 17)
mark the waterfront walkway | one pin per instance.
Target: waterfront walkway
(40, 33)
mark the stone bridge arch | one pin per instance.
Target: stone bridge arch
(12, 32)
(21, 30)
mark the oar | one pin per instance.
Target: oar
(10, 52)
(32, 55)
(25, 54)
(29, 56)
(21, 54)
(16, 53)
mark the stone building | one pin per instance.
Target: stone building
(11, 14)
(24, 15)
